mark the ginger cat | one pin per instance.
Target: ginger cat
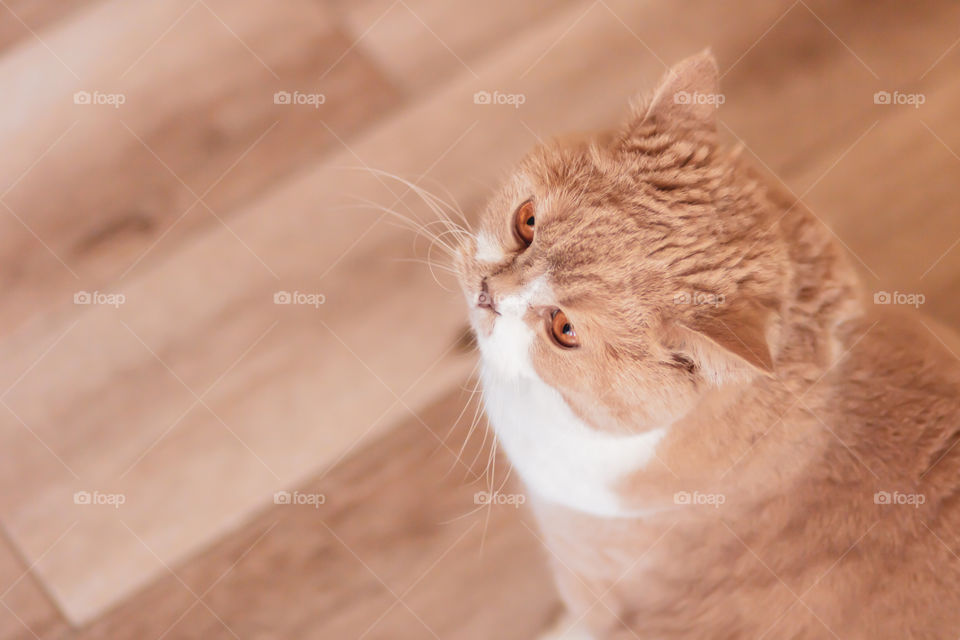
(721, 436)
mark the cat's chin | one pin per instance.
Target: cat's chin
(482, 322)
(505, 347)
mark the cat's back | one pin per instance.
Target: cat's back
(888, 486)
(896, 390)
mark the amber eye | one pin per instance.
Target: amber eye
(524, 222)
(563, 331)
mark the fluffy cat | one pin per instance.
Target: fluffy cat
(720, 435)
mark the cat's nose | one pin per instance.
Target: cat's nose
(485, 298)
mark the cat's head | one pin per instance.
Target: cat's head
(630, 271)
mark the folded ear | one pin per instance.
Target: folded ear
(686, 98)
(728, 341)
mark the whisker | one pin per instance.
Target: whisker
(505, 478)
(477, 417)
(455, 207)
(490, 469)
(431, 266)
(463, 411)
(483, 445)
(492, 466)
(465, 515)
(426, 262)
(425, 195)
(466, 405)
(434, 202)
(416, 226)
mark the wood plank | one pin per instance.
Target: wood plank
(25, 611)
(399, 516)
(881, 176)
(804, 92)
(199, 119)
(903, 230)
(26, 16)
(419, 42)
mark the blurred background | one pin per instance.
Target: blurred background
(234, 397)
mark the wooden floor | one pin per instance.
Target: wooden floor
(204, 198)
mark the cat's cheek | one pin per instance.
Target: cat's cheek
(489, 249)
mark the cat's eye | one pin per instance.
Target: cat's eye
(524, 222)
(562, 330)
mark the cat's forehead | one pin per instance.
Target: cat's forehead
(570, 169)
(586, 217)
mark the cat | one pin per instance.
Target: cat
(720, 435)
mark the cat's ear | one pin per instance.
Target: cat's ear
(728, 341)
(686, 98)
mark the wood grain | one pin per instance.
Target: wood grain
(25, 611)
(419, 42)
(198, 121)
(399, 521)
(24, 20)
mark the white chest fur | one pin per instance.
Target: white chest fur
(558, 456)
